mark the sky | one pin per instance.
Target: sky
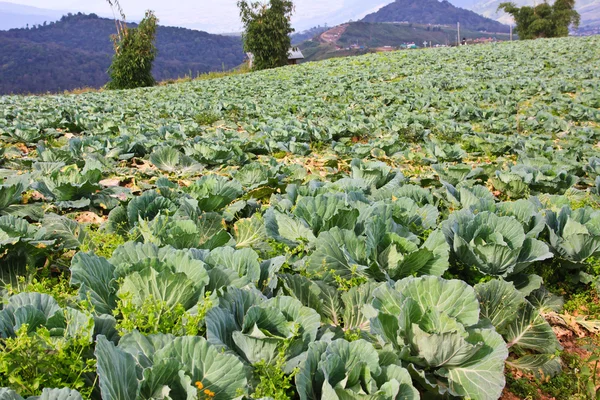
(217, 16)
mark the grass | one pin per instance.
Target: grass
(584, 302)
(572, 383)
(242, 69)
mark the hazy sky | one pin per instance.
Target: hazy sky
(217, 15)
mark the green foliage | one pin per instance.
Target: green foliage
(56, 286)
(266, 31)
(344, 284)
(135, 52)
(273, 381)
(156, 316)
(583, 302)
(32, 362)
(543, 20)
(329, 262)
(206, 118)
(101, 242)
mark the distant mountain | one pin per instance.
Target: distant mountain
(588, 9)
(434, 12)
(77, 51)
(363, 37)
(19, 16)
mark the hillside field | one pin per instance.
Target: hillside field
(401, 225)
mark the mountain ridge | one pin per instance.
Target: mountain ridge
(434, 12)
(57, 52)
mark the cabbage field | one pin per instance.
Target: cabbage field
(404, 225)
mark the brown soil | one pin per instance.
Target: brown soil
(89, 218)
(332, 35)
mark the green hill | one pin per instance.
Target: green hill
(436, 13)
(361, 37)
(76, 52)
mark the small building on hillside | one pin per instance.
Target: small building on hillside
(294, 57)
(408, 46)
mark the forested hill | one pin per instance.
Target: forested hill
(76, 52)
(436, 13)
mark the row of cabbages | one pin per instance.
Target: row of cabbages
(408, 328)
(423, 332)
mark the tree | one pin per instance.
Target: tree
(267, 29)
(135, 52)
(543, 20)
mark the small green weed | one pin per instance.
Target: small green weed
(58, 287)
(273, 382)
(101, 243)
(523, 388)
(207, 118)
(345, 284)
(584, 302)
(156, 316)
(352, 335)
(29, 363)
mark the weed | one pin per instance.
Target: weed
(207, 118)
(56, 286)
(523, 388)
(156, 316)
(345, 284)
(101, 242)
(273, 382)
(29, 363)
(583, 302)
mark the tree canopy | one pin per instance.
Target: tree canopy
(135, 51)
(267, 28)
(543, 20)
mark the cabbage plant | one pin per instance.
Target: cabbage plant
(41, 310)
(523, 178)
(434, 327)
(10, 196)
(260, 329)
(138, 273)
(21, 244)
(164, 218)
(214, 192)
(47, 394)
(382, 253)
(352, 370)
(495, 245)
(530, 339)
(374, 173)
(69, 187)
(162, 366)
(574, 234)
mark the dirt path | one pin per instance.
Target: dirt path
(332, 35)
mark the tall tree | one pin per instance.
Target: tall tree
(543, 20)
(267, 29)
(135, 51)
